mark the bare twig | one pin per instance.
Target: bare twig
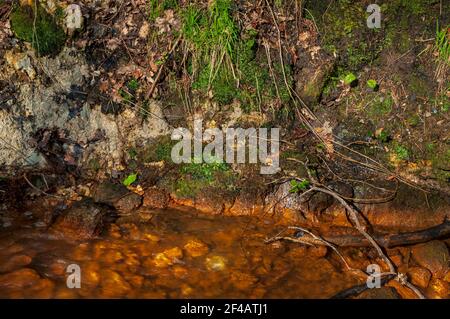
(158, 75)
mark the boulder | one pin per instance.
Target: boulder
(117, 196)
(84, 220)
(156, 198)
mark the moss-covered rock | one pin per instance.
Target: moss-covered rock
(37, 26)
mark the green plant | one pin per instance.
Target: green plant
(133, 84)
(349, 79)
(442, 43)
(130, 179)
(372, 84)
(401, 152)
(132, 153)
(37, 26)
(298, 186)
(383, 136)
(128, 91)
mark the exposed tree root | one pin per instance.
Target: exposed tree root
(309, 238)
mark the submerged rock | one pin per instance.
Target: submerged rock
(380, 293)
(15, 262)
(215, 263)
(196, 248)
(19, 279)
(439, 289)
(434, 256)
(419, 276)
(84, 220)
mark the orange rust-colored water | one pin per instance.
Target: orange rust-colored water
(168, 254)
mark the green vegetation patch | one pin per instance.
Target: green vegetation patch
(38, 27)
(197, 177)
(224, 60)
(381, 106)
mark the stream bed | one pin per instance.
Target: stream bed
(167, 254)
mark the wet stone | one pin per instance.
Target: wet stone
(434, 256)
(19, 279)
(128, 203)
(379, 293)
(109, 193)
(215, 263)
(196, 248)
(113, 284)
(439, 289)
(15, 262)
(156, 198)
(84, 220)
(168, 257)
(419, 276)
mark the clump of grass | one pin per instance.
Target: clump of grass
(442, 44)
(35, 25)
(212, 35)
(128, 92)
(197, 177)
(383, 136)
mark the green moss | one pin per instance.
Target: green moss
(94, 164)
(203, 171)
(39, 28)
(196, 178)
(419, 86)
(158, 151)
(345, 32)
(439, 155)
(416, 6)
(413, 120)
(380, 107)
